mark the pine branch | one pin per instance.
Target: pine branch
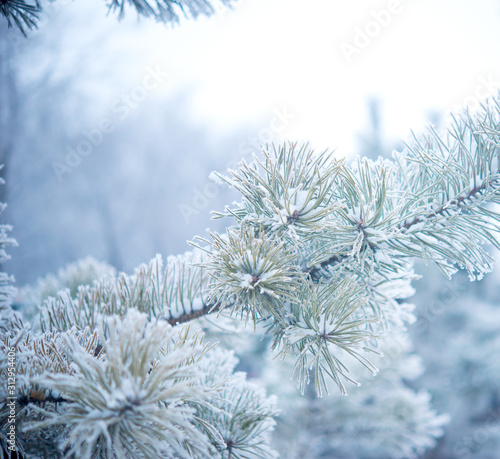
(187, 317)
(320, 245)
(435, 207)
(169, 11)
(442, 211)
(363, 223)
(40, 399)
(23, 14)
(153, 391)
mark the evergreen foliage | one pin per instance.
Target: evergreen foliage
(21, 13)
(8, 317)
(168, 11)
(383, 418)
(320, 256)
(25, 14)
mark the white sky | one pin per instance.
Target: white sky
(239, 66)
(270, 54)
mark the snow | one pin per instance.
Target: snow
(247, 281)
(216, 178)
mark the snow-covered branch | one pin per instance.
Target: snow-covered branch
(320, 255)
(322, 251)
(25, 14)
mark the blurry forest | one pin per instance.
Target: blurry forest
(142, 190)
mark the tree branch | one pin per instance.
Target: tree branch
(187, 317)
(333, 260)
(39, 398)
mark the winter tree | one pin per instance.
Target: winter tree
(318, 259)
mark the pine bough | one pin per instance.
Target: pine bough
(320, 254)
(25, 14)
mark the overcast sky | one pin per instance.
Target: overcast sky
(426, 56)
(318, 60)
